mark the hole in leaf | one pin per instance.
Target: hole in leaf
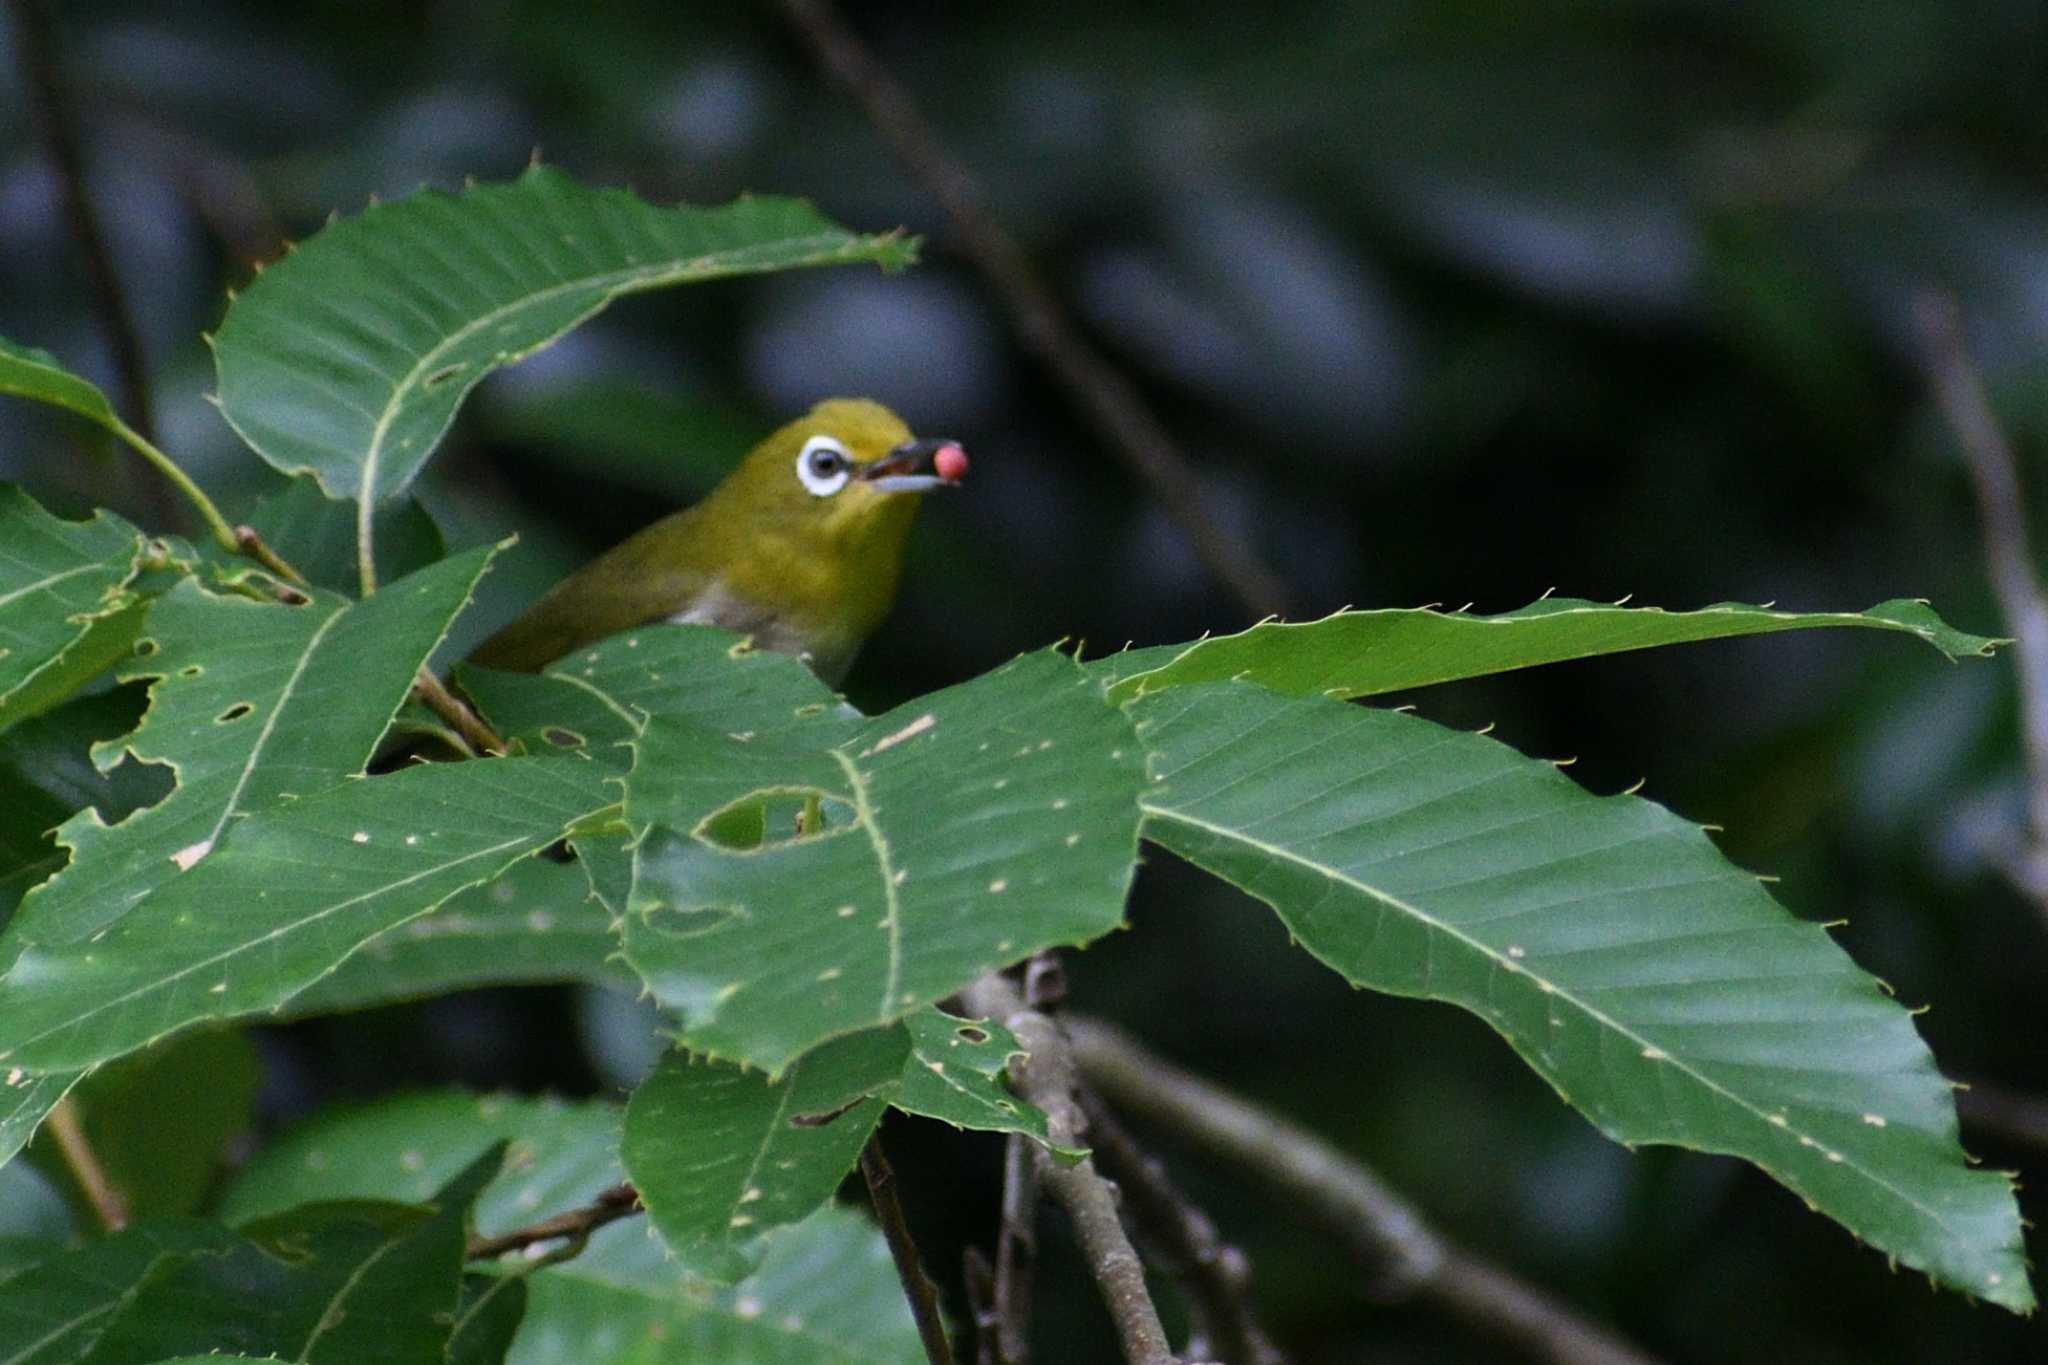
(145, 647)
(770, 818)
(190, 671)
(444, 374)
(971, 1034)
(561, 738)
(235, 712)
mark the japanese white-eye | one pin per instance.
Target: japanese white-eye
(801, 546)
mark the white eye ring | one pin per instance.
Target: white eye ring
(824, 466)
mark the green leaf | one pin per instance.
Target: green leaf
(825, 1294)
(282, 903)
(24, 1101)
(65, 610)
(487, 1318)
(160, 1122)
(955, 1074)
(45, 776)
(977, 825)
(317, 535)
(1365, 653)
(29, 372)
(535, 922)
(58, 1310)
(1655, 985)
(720, 1155)
(337, 1283)
(348, 358)
(558, 1156)
(252, 702)
(593, 702)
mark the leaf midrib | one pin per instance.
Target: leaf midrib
(1522, 968)
(77, 1020)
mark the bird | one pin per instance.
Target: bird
(800, 547)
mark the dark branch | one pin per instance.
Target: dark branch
(1994, 474)
(1182, 1240)
(1106, 395)
(1016, 1252)
(1047, 1077)
(1408, 1258)
(36, 51)
(620, 1201)
(917, 1286)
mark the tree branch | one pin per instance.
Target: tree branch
(1047, 1077)
(1994, 475)
(1410, 1258)
(1016, 1252)
(917, 1286)
(36, 50)
(620, 1201)
(1183, 1241)
(1105, 394)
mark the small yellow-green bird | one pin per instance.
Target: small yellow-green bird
(800, 546)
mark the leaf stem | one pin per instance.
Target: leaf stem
(457, 713)
(67, 1129)
(223, 534)
(917, 1286)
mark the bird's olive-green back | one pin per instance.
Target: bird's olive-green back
(761, 553)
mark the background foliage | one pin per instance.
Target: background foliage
(1454, 301)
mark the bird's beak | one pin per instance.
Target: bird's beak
(914, 466)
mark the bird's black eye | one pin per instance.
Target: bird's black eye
(823, 466)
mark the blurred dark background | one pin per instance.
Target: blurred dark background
(1447, 302)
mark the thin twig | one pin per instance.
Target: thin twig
(109, 1205)
(1408, 1257)
(620, 1201)
(36, 49)
(1047, 1077)
(1107, 396)
(917, 1286)
(1994, 474)
(1016, 1252)
(1183, 1241)
(456, 712)
(251, 543)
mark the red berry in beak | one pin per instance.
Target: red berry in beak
(949, 462)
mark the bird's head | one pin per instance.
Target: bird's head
(847, 471)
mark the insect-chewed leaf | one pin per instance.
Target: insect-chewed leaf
(721, 1155)
(960, 833)
(65, 613)
(296, 890)
(825, 1293)
(955, 1075)
(252, 702)
(592, 702)
(1365, 653)
(348, 358)
(1657, 986)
